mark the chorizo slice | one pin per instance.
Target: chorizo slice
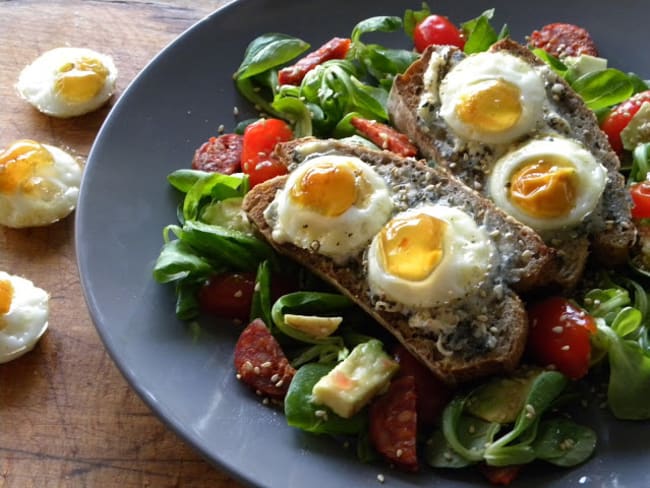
(393, 424)
(335, 48)
(385, 136)
(562, 40)
(260, 362)
(220, 154)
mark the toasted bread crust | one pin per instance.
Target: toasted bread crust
(609, 232)
(504, 311)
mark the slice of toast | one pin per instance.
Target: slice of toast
(491, 324)
(608, 231)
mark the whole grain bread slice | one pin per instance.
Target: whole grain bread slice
(608, 232)
(491, 328)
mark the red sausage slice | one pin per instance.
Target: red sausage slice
(335, 48)
(563, 40)
(393, 424)
(385, 136)
(219, 154)
(261, 363)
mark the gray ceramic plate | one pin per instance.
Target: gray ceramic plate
(176, 103)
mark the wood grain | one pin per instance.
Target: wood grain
(67, 417)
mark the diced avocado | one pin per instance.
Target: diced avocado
(585, 63)
(355, 380)
(227, 213)
(637, 129)
(502, 399)
(313, 325)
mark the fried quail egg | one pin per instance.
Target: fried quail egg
(492, 98)
(548, 183)
(332, 205)
(24, 311)
(39, 184)
(68, 81)
(429, 256)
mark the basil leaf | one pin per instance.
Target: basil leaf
(178, 261)
(375, 24)
(603, 88)
(414, 17)
(480, 34)
(269, 51)
(212, 187)
(183, 179)
(555, 64)
(226, 247)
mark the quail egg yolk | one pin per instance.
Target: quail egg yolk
(20, 164)
(82, 80)
(411, 247)
(327, 189)
(6, 296)
(545, 187)
(493, 106)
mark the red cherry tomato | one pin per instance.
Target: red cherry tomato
(432, 394)
(560, 336)
(437, 30)
(641, 198)
(260, 139)
(620, 117)
(228, 295)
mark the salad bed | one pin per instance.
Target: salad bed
(211, 241)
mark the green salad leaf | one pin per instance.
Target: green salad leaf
(622, 313)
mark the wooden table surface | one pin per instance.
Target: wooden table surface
(67, 416)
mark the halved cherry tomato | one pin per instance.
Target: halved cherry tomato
(432, 394)
(620, 117)
(259, 141)
(560, 336)
(437, 30)
(385, 136)
(228, 295)
(641, 198)
(335, 48)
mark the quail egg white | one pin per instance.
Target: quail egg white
(492, 98)
(68, 81)
(548, 183)
(332, 205)
(39, 184)
(24, 311)
(429, 256)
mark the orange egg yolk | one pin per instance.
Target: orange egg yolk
(81, 80)
(411, 247)
(493, 106)
(20, 166)
(6, 296)
(545, 187)
(329, 189)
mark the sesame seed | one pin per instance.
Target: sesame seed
(448, 456)
(238, 294)
(530, 411)
(266, 364)
(566, 347)
(247, 366)
(235, 111)
(558, 329)
(256, 370)
(279, 383)
(399, 453)
(380, 478)
(275, 378)
(265, 401)
(238, 376)
(221, 129)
